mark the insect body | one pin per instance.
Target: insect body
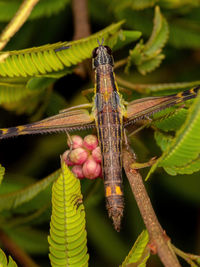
(109, 122)
(109, 116)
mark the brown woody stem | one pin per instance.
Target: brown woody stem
(81, 21)
(157, 236)
(81, 30)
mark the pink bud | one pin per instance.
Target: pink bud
(91, 169)
(90, 142)
(78, 171)
(96, 154)
(78, 155)
(76, 140)
(66, 158)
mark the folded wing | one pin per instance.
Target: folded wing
(65, 121)
(138, 109)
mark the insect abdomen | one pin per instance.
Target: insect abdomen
(110, 137)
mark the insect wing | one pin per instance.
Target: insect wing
(66, 121)
(140, 108)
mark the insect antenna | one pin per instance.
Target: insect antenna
(102, 41)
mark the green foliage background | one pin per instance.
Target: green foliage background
(171, 56)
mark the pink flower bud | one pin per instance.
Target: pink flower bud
(90, 142)
(91, 169)
(66, 158)
(96, 154)
(78, 171)
(78, 156)
(76, 140)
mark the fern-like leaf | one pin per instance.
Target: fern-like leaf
(4, 262)
(12, 92)
(171, 121)
(14, 199)
(182, 155)
(48, 59)
(163, 140)
(148, 56)
(139, 253)
(50, 62)
(67, 238)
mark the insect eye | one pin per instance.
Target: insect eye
(94, 52)
(108, 50)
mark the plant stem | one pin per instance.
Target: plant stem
(17, 21)
(80, 17)
(189, 258)
(157, 236)
(148, 88)
(81, 30)
(120, 63)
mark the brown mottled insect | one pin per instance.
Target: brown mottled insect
(110, 114)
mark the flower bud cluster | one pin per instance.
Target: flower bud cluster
(85, 156)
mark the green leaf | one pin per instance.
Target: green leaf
(4, 262)
(48, 59)
(67, 240)
(179, 29)
(133, 4)
(193, 166)
(2, 172)
(39, 83)
(12, 92)
(139, 253)
(186, 145)
(148, 56)
(126, 37)
(14, 199)
(182, 155)
(170, 122)
(163, 140)
(43, 8)
(178, 4)
(13, 89)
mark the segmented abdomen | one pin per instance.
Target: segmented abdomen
(109, 129)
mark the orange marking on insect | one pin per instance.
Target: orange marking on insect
(180, 95)
(108, 191)
(118, 190)
(4, 131)
(192, 91)
(20, 128)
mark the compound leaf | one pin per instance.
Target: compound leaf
(67, 239)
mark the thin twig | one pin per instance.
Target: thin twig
(148, 88)
(189, 258)
(17, 21)
(120, 63)
(140, 88)
(81, 20)
(16, 252)
(157, 236)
